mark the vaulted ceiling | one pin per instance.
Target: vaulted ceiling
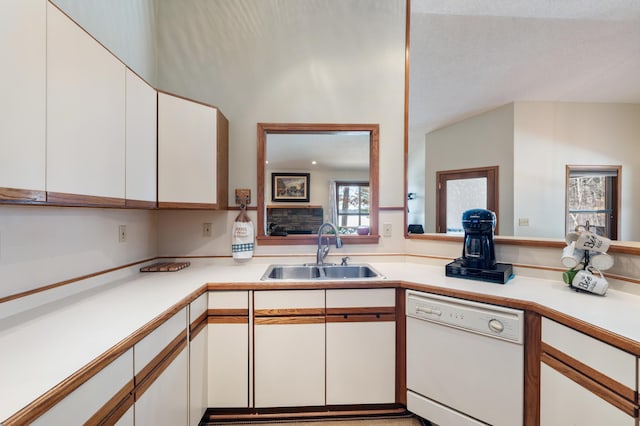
(470, 56)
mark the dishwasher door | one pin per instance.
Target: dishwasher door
(461, 377)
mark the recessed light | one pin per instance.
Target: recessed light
(314, 162)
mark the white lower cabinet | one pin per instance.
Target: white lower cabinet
(584, 381)
(289, 365)
(85, 403)
(127, 418)
(228, 349)
(361, 341)
(198, 342)
(161, 365)
(565, 402)
(165, 401)
(289, 348)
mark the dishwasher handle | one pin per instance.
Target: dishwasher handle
(429, 311)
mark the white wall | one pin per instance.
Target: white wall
(483, 140)
(45, 245)
(125, 27)
(550, 135)
(316, 61)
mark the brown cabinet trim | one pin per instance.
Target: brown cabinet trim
(288, 320)
(222, 319)
(198, 325)
(532, 334)
(401, 347)
(145, 378)
(228, 312)
(22, 196)
(76, 200)
(115, 408)
(193, 206)
(591, 385)
(592, 373)
(140, 204)
(288, 312)
(362, 311)
(361, 318)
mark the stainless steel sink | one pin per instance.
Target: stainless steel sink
(351, 271)
(326, 272)
(291, 272)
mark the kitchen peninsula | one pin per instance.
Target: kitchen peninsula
(113, 320)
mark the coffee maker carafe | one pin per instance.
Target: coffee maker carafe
(478, 249)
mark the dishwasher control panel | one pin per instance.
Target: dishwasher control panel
(497, 321)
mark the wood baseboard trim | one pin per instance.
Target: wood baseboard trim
(304, 413)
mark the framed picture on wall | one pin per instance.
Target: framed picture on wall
(290, 187)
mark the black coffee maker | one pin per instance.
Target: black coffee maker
(478, 250)
(478, 261)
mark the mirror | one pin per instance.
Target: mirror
(301, 170)
(529, 87)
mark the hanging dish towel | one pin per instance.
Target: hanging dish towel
(242, 238)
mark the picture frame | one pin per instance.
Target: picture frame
(288, 187)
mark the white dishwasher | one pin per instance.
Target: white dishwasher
(465, 361)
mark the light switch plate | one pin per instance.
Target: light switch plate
(387, 230)
(206, 230)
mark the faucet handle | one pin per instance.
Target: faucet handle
(344, 261)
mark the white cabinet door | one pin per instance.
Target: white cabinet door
(85, 112)
(361, 346)
(198, 359)
(228, 359)
(289, 364)
(564, 402)
(289, 348)
(127, 418)
(161, 365)
(228, 354)
(22, 84)
(141, 139)
(188, 154)
(83, 403)
(600, 356)
(164, 403)
(361, 362)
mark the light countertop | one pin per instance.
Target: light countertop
(41, 347)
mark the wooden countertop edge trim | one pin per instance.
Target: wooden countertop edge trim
(621, 342)
(64, 388)
(60, 391)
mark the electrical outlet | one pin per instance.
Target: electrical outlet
(122, 233)
(523, 221)
(206, 230)
(387, 230)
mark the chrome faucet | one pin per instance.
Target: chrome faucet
(323, 250)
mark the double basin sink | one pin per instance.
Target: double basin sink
(320, 272)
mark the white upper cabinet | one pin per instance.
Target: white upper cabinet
(192, 154)
(85, 113)
(141, 130)
(22, 84)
